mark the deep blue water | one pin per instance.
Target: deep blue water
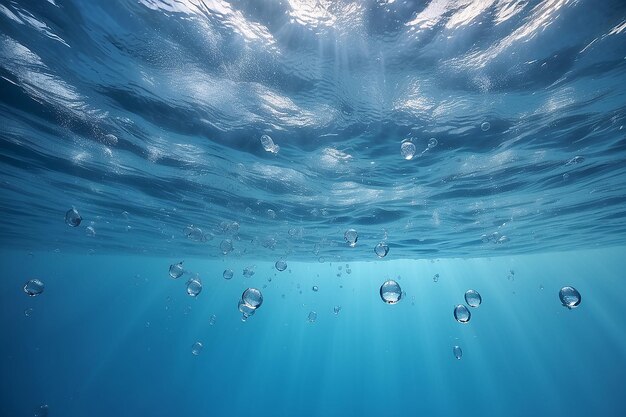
(148, 117)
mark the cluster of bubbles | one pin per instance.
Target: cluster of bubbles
(390, 292)
(408, 149)
(248, 271)
(495, 237)
(462, 313)
(269, 145)
(193, 284)
(251, 300)
(194, 233)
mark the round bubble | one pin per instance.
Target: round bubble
(280, 265)
(90, 231)
(33, 287)
(457, 351)
(72, 217)
(28, 312)
(176, 270)
(462, 314)
(407, 150)
(432, 142)
(110, 139)
(246, 309)
(194, 286)
(248, 271)
(226, 246)
(315, 288)
(351, 236)
(252, 297)
(485, 126)
(436, 278)
(196, 348)
(390, 292)
(336, 310)
(312, 317)
(473, 298)
(381, 250)
(570, 297)
(194, 233)
(228, 274)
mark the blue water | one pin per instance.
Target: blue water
(147, 116)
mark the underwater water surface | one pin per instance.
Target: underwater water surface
(312, 208)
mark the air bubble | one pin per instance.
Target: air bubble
(252, 297)
(457, 351)
(432, 142)
(473, 298)
(351, 236)
(312, 317)
(226, 246)
(462, 314)
(33, 287)
(485, 126)
(194, 286)
(196, 348)
(390, 292)
(280, 265)
(407, 149)
(176, 270)
(72, 217)
(381, 250)
(570, 297)
(228, 274)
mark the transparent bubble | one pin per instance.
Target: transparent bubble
(432, 142)
(194, 233)
(90, 231)
(252, 297)
(228, 274)
(315, 288)
(72, 217)
(462, 314)
(570, 297)
(269, 145)
(336, 310)
(576, 160)
(28, 312)
(110, 140)
(176, 270)
(246, 309)
(473, 298)
(271, 214)
(351, 236)
(196, 348)
(457, 351)
(248, 271)
(212, 320)
(381, 250)
(41, 411)
(390, 292)
(407, 150)
(280, 265)
(485, 126)
(565, 176)
(194, 286)
(33, 287)
(226, 246)
(348, 271)
(436, 278)
(312, 317)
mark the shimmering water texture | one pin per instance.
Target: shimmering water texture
(457, 128)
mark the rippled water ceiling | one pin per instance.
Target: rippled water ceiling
(266, 128)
